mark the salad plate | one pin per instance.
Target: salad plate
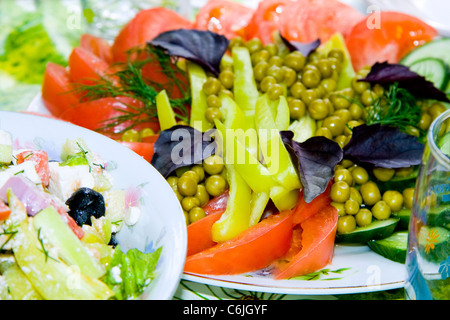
(161, 222)
(354, 269)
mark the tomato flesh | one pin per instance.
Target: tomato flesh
(98, 46)
(251, 250)
(316, 249)
(56, 87)
(390, 37)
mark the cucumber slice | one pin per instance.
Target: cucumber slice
(393, 247)
(433, 69)
(437, 217)
(399, 183)
(379, 229)
(434, 49)
(434, 243)
(404, 215)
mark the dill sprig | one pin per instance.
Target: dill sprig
(129, 81)
(397, 108)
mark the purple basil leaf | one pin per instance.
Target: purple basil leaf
(387, 73)
(383, 146)
(205, 48)
(315, 159)
(305, 48)
(181, 146)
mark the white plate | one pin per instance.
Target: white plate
(433, 12)
(354, 269)
(162, 221)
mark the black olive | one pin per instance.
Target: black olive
(85, 203)
(113, 242)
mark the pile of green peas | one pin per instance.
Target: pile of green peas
(195, 185)
(357, 197)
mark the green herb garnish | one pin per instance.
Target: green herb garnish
(130, 81)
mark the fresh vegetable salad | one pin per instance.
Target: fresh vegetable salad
(282, 129)
(58, 224)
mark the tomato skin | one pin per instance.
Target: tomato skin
(143, 149)
(145, 26)
(253, 249)
(85, 67)
(224, 17)
(98, 46)
(317, 246)
(199, 233)
(265, 20)
(309, 20)
(40, 160)
(396, 35)
(55, 89)
(304, 210)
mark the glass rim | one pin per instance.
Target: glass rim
(443, 159)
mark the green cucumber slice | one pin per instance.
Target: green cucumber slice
(433, 69)
(399, 183)
(434, 49)
(404, 215)
(393, 247)
(379, 229)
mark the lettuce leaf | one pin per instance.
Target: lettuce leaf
(137, 270)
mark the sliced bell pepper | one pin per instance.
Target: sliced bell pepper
(280, 112)
(197, 77)
(236, 217)
(316, 248)
(166, 116)
(252, 171)
(275, 154)
(258, 205)
(283, 198)
(253, 249)
(337, 41)
(233, 116)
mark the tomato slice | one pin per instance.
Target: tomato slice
(316, 248)
(305, 210)
(199, 232)
(224, 17)
(143, 149)
(98, 46)
(56, 87)
(390, 37)
(95, 114)
(85, 67)
(265, 20)
(40, 160)
(5, 211)
(308, 20)
(145, 26)
(253, 249)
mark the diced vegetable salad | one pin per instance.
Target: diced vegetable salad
(58, 222)
(329, 116)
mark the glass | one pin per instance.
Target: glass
(427, 261)
(104, 18)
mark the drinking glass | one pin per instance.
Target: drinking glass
(428, 261)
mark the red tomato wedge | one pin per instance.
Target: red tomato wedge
(253, 249)
(143, 149)
(224, 17)
(308, 20)
(98, 46)
(386, 36)
(305, 210)
(40, 160)
(266, 20)
(95, 114)
(145, 26)
(316, 249)
(199, 232)
(56, 88)
(85, 67)
(5, 211)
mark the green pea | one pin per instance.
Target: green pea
(211, 86)
(213, 164)
(187, 186)
(260, 70)
(215, 185)
(226, 77)
(213, 113)
(254, 45)
(276, 72)
(267, 82)
(131, 135)
(297, 108)
(394, 199)
(295, 60)
(340, 191)
(213, 101)
(381, 210)
(196, 214)
(296, 89)
(363, 217)
(336, 54)
(311, 78)
(370, 193)
(346, 224)
(275, 91)
(276, 61)
(318, 109)
(190, 202)
(351, 207)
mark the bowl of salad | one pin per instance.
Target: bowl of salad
(83, 217)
